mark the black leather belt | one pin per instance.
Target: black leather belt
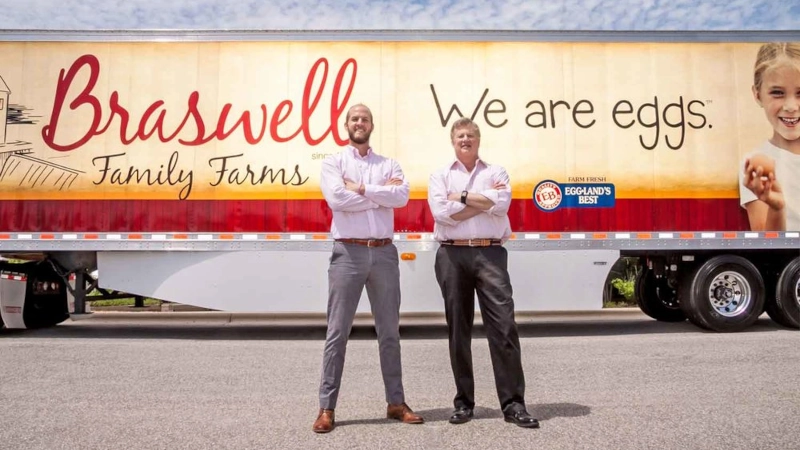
(366, 242)
(472, 242)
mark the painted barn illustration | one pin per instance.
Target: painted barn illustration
(4, 94)
(18, 166)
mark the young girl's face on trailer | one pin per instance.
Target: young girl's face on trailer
(779, 95)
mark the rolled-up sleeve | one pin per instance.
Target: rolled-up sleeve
(500, 197)
(335, 193)
(389, 196)
(441, 207)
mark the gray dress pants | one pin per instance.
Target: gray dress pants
(352, 268)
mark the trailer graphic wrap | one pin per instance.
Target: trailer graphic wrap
(229, 136)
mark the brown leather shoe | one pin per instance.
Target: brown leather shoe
(324, 422)
(403, 413)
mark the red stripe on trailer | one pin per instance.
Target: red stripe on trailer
(313, 216)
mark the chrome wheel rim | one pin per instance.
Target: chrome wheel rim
(730, 294)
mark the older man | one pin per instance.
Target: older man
(469, 200)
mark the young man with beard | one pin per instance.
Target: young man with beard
(469, 200)
(362, 189)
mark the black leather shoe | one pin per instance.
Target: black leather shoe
(461, 415)
(522, 419)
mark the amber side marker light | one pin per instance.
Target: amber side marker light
(408, 256)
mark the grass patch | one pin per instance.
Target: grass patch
(125, 302)
(619, 304)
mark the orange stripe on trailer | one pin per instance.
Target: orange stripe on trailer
(771, 235)
(644, 236)
(600, 236)
(134, 236)
(47, 236)
(513, 236)
(414, 236)
(90, 236)
(729, 235)
(180, 236)
(554, 236)
(273, 237)
(687, 235)
(226, 236)
(319, 237)
(5, 236)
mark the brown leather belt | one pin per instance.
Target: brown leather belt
(472, 242)
(366, 242)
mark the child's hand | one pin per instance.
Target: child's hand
(765, 187)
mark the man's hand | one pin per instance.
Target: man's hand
(351, 185)
(394, 182)
(498, 186)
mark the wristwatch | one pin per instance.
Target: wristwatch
(464, 197)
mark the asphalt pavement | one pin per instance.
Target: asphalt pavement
(614, 380)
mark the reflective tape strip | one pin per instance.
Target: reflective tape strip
(8, 276)
(552, 235)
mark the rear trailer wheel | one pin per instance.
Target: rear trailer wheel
(784, 309)
(656, 297)
(724, 294)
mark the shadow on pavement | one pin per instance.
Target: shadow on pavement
(542, 412)
(267, 331)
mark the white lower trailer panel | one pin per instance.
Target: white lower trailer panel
(296, 281)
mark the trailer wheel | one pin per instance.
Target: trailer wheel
(656, 297)
(724, 294)
(784, 309)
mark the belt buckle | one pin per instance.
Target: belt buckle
(475, 242)
(370, 242)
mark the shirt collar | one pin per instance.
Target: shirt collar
(354, 152)
(456, 163)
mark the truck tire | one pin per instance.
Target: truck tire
(656, 298)
(784, 309)
(724, 294)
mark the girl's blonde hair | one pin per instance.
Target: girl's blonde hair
(775, 54)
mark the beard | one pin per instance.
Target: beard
(359, 140)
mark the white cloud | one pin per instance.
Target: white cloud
(397, 14)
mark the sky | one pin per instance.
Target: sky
(401, 14)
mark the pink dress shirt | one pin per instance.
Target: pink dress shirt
(490, 224)
(368, 216)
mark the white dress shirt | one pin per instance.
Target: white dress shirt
(368, 216)
(490, 224)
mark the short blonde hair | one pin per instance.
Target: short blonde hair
(772, 55)
(463, 123)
